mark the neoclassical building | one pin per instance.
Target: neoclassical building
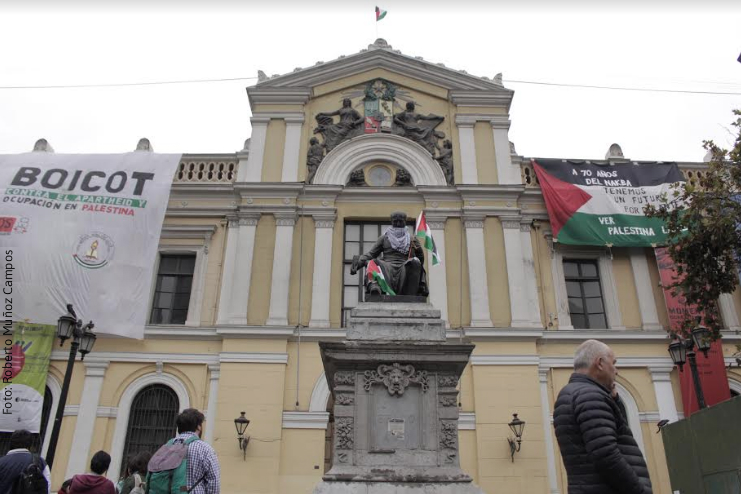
(254, 270)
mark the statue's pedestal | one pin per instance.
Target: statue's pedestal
(395, 403)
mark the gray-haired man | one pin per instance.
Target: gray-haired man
(597, 446)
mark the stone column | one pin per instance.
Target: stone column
(278, 315)
(469, 173)
(79, 452)
(291, 149)
(646, 300)
(661, 377)
(437, 278)
(213, 390)
(506, 171)
(728, 312)
(320, 282)
(237, 271)
(547, 433)
(478, 282)
(518, 284)
(528, 264)
(252, 172)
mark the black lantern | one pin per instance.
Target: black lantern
(87, 340)
(701, 338)
(517, 426)
(678, 352)
(66, 326)
(241, 423)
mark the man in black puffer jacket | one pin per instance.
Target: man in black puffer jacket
(599, 451)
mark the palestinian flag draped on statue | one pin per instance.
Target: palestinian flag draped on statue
(593, 203)
(423, 233)
(374, 273)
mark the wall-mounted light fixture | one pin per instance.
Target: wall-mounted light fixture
(241, 424)
(517, 427)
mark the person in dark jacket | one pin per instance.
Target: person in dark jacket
(94, 482)
(598, 449)
(17, 459)
(137, 467)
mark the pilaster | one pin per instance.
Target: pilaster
(291, 149)
(661, 377)
(437, 275)
(252, 170)
(237, 271)
(507, 172)
(213, 390)
(517, 281)
(83, 436)
(320, 284)
(646, 300)
(728, 312)
(285, 222)
(547, 433)
(469, 173)
(478, 281)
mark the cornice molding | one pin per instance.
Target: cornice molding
(252, 358)
(259, 95)
(467, 421)
(305, 420)
(505, 360)
(293, 117)
(201, 232)
(497, 99)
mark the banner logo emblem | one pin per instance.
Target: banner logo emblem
(94, 250)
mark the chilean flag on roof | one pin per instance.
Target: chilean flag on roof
(601, 203)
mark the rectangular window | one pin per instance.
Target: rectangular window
(359, 238)
(586, 306)
(172, 291)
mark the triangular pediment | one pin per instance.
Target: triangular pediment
(381, 55)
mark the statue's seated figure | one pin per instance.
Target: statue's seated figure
(400, 257)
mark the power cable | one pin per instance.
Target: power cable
(233, 79)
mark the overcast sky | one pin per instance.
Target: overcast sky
(631, 44)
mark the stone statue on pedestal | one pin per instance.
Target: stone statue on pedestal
(400, 257)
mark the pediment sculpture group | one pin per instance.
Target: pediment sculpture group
(408, 123)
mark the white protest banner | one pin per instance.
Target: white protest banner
(84, 230)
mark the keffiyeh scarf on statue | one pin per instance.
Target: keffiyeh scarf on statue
(399, 238)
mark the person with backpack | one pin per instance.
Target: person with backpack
(23, 472)
(94, 482)
(137, 473)
(186, 464)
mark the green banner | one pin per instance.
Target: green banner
(25, 367)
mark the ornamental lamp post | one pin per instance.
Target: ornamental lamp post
(682, 350)
(83, 339)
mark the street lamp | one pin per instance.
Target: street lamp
(682, 350)
(241, 424)
(83, 339)
(517, 427)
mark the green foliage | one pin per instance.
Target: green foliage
(704, 237)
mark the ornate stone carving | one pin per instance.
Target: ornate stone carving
(403, 178)
(396, 378)
(418, 128)
(510, 224)
(448, 401)
(447, 381)
(344, 377)
(314, 157)
(525, 227)
(323, 223)
(436, 225)
(248, 221)
(357, 179)
(232, 222)
(474, 223)
(445, 159)
(349, 125)
(345, 399)
(449, 434)
(344, 431)
(285, 221)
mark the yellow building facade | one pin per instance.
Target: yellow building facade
(253, 273)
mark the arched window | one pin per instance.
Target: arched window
(38, 439)
(151, 420)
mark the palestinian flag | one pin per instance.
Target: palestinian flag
(423, 233)
(598, 203)
(380, 14)
(374, 273)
